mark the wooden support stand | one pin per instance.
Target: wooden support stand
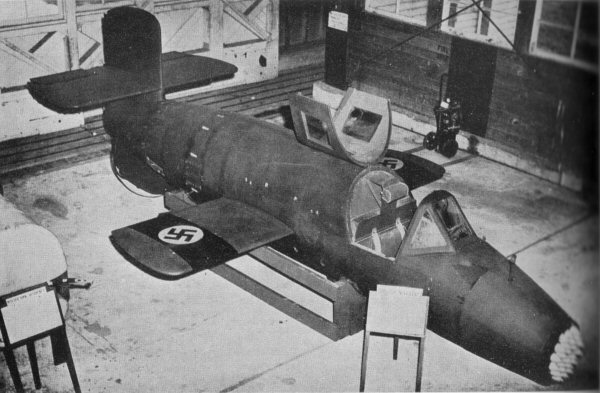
(27, 316)
(348, 305)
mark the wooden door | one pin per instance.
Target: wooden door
(470, 81)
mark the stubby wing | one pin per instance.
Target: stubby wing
(177, 244)
(182, 71)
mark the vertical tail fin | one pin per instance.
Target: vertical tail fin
(132, 69)
(132, 42)
(132, 75)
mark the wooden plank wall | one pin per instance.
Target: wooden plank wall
(302, 22)
(409, 75)
(541, 110)
(503, 12)
(546, 110)
(416, 9)
(523, 109)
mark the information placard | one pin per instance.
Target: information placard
(30, 313)
(338, 20)
(397, 310)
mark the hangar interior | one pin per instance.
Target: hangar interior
(523, 75)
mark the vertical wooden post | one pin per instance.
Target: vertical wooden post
(336, 45)
(420, 364)
(72, 47)
(34, 365)
(348, 310)
(535, 29)
(285, 11)
(363, 365)
(70, 363)
(216, 28)
(272, 28)
(14, 371)
(341, 315)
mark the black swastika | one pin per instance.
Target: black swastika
(392, 163)
(178, 234)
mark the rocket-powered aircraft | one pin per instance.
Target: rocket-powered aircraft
(319, 198)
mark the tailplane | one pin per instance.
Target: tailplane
(134, 68)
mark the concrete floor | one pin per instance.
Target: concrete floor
(133, 333)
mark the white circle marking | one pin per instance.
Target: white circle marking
(181, 234)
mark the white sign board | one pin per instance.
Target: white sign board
(31, 313)
(338, 21)
(400, 311)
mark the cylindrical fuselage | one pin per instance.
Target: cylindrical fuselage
(247, 160)
(261, 164)
(215, 153)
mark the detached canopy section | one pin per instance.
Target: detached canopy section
(358, 130)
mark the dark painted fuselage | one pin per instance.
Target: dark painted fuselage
(360, 223)
(477, 298)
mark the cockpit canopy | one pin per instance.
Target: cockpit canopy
(436, 227)
(383, 218)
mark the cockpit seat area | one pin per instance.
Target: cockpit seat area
(381, 233)
(381, 209)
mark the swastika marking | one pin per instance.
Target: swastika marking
(392, 163)
(181, 234)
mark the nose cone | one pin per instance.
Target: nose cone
(515, 324)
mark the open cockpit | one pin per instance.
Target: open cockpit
(383, 218)
(380, 210)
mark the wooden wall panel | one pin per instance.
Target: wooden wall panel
(302, 22)
(503, 14)
(410, 74)
(547, 110)
(540, 110)
(184, 30)
(35, 54)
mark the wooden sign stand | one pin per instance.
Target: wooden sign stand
(29, 315)
(397, 312)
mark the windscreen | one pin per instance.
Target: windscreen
(453, 219)
(437, 225)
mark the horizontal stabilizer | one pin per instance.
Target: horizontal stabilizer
(175, 245)
(182, 71)
(414, 170)
(80, 90)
